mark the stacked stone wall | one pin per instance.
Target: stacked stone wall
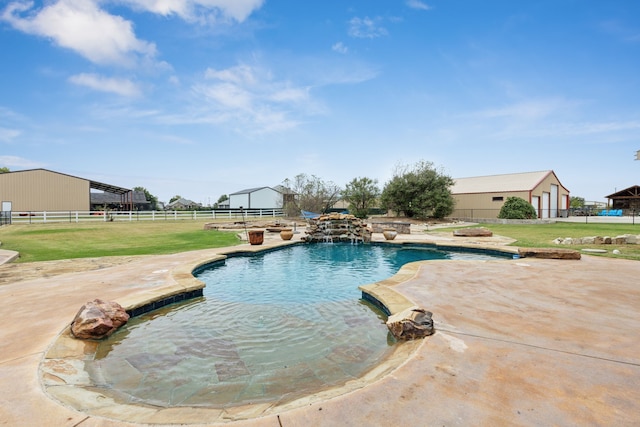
(400, 227)
(625, 239)
(336, 227)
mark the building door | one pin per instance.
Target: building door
(554, 201)
(535, 202)
(545, 205)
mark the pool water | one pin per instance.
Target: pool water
(270, 328)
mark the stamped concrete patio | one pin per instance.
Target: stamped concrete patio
(524, 342)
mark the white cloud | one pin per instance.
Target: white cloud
(10, 124)
(366, 28)
(250, 99)
(289, 94)
(81, 26)
(241, 74)
(544, 119)
(8, 135)
(227, 95)
(122, 87)
(339, 47)
(243, 86)
(12, 162)
(528, 110)
(199, 10)
(417, 4)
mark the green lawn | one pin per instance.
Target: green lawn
(542, 235)
(43, 242)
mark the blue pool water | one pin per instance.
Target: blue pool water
(270, 328)
(306, 274)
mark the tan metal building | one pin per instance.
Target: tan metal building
(37, 190)
(483, 196)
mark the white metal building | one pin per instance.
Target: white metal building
(256, 198)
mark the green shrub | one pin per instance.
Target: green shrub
(517, 208)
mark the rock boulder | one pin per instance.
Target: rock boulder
(548, 253)
(473, 232)
(98, 319)
(411, 323)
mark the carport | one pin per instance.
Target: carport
(628, 200)
(126, 195)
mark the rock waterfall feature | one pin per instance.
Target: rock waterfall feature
(337, 227)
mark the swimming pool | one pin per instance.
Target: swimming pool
(270, 328)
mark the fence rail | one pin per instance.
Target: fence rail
(479, 214)
(105, 216)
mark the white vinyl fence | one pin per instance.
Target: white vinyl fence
(93, 216)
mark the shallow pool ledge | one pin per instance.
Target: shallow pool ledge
(384, 297)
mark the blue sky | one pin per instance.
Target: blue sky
(201, 98)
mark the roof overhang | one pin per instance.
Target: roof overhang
(108, 188)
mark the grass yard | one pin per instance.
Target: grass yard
(542, 235)
(45, 242)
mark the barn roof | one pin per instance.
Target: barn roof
(524, 181)
(632, 192)
(96, 185)
(277, 189)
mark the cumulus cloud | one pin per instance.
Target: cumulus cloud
(243, 86)
(121, 87)
(80, 25)
(366, 28)
(417, 4)
(197, 10)
(339, 47)
(251, 99)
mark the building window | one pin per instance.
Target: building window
(497, 199)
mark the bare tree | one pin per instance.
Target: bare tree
(311, 194)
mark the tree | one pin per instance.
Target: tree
(312, 194)
(517, 208)
(419, 191)
(4, 169)
(361, 193)
(153, 200)
(576, 202)
(221, 199)
(174, 198)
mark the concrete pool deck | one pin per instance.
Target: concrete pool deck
(519, 342)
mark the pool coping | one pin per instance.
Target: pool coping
(63, 378)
